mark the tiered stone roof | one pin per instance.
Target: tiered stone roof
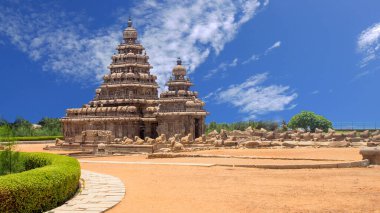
(179, 99)
(129, 91)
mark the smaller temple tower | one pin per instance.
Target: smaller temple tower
(180, 111)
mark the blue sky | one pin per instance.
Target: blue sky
(263, 60)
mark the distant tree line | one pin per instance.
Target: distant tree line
(22, 127)
(306, 120)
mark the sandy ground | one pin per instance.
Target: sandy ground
(167, 188)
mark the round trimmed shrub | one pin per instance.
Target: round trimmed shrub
(50, 181)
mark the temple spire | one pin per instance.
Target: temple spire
(179, 61)
(129, 22)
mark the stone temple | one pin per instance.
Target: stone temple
(127, 104)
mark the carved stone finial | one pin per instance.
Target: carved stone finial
(129, 22)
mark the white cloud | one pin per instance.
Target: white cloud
(221, 68)
(369, 44)
(277, 44)
(225, 65)
(64, 44)
(315, 92)
(59, 40)
(256, 57)
(254, 98)
(189, 29)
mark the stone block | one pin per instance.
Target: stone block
(289, 144)
(372, 154)
(251, 144)
(230, 143)
(306, 143)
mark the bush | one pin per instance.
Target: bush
(32, 138)
(51, 180)
(309, 121)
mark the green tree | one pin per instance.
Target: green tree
(309, 121)
(50, 126)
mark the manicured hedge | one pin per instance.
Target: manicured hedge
(49, 182)
(32, 138)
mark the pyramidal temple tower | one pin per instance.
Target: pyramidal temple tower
(127, 105)
(180, 111)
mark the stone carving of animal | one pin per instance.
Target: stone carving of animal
(201, 139)
(161, 139)
(59, 142)
(127, 141)
(364, 134)
(318, 130)
(187, 139)
(138, 140)
(150, 140)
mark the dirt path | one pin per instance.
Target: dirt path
(170, 188)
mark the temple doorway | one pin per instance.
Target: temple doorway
(142, 131)
(154, 133)
(196, 128)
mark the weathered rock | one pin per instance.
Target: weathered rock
(365, 134)
(372, 154)
(322, 144)
(218, 143)
(377, 132)
(276, 143)
(376, 138)
(290, 144)
(338, 144)
(164, 150)
(269, 135)
(373, 144)
(230, 143)
(306, 136)
(252, 144)
(330, 130)
(223, 134)
(265, 144)
(318, 130)
(306, 143)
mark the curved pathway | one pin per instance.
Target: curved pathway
(99, 192)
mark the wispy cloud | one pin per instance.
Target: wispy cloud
(189, 29)
(315, 92)
(225, 65)
(63, 43)
(256, 57)
(254, 98)
(369, 44)
(59, 40)
(222, 67)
